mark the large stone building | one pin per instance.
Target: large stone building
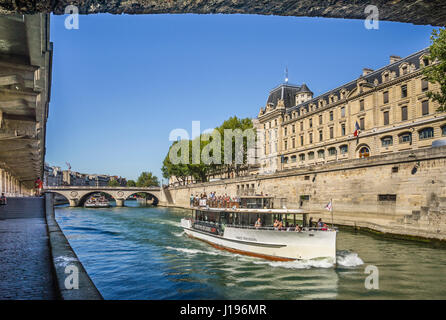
(389, 106)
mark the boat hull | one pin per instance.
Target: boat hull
(270, 244)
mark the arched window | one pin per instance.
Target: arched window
(364, 152)
(332, 151)
(343, 149)
(311, 155)
(387, 141)
(293, 158)
(302, 157)
(321, 154)
(426, 133)
(405, 137)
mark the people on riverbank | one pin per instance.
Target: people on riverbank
(258, 223)
(3, 200)
(38, 184)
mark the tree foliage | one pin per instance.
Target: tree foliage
(200, 171)
(436, 71)
(147, 179)
(113, 183)
(131, 183)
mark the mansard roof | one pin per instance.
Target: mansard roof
(372, 79)
(287, 92)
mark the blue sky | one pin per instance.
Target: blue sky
(122, 83)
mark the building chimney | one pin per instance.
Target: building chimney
(394, 59)
(366, 71)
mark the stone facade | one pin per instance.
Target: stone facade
(389, 105)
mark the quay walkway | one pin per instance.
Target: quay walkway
(25, 255)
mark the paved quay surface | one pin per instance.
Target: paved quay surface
(25, 260)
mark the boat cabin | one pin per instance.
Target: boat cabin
(257, 202)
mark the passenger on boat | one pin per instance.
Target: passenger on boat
(258, 223)
(280, 226)
(320, 223)
(192, 198)
(298, 228)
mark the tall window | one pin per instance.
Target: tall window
(386, 96)
(343, 112)
(311, 137)
(293, 158)
(293, 128)
(285, 145)
(424, 84)
(294, 143)
(404, 91)
(302, 126)
(310, 123)
(301, 140)
(331, 115)
(321, 154)
(403, 113)
(332, 151)
(343, 149)
(426, 133)
(285, 131)
(320, 119)
(362, 124)
(311, 155)
(343, 130)
(331, 133)
(361, 105)
(321, 135)
(302, 157)
(386, 117)
(425, 107)
(404, 70)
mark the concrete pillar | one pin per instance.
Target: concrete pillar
(73, 202)
(120, 202)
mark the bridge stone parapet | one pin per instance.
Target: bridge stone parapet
(77, 195)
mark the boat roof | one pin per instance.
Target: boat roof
(246, 210)
(256, 197)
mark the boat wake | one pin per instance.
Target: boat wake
(346, 258)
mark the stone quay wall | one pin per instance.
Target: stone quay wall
(402, 194)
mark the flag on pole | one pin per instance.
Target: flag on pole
(329, 206)
(357, 129)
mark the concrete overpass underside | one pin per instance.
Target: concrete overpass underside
(431, 12)
(25, 80)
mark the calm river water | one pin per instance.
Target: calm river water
(142, 253)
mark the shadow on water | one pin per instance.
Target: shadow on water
(142, 253)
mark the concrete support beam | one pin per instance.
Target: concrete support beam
(412, 11)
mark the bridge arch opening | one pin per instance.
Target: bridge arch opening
(86, 196)
(144, 198)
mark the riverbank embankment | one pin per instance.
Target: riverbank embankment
(399, 194)
(72, 280)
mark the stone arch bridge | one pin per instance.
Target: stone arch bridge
(77, 195)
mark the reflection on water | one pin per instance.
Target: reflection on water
(142, 253)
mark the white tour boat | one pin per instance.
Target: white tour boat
(235, 230)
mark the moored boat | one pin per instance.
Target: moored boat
(239, 230)
(97, 202)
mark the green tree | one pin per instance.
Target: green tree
(147, 179)
(436, 71)
(113, 183)
(131, 183)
